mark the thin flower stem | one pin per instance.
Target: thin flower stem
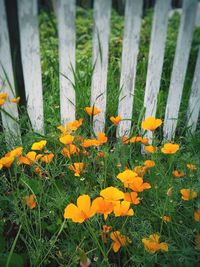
(13, 246)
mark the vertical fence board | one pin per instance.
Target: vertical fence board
(30, 53)
(133, 11)
(179, 68)
(66, 32)
(102, 11)
(11, 127)
(156, 57)
(194, 100)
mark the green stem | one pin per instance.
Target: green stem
(13, 246)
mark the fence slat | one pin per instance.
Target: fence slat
(11, 127)
(194, 100)
(30, 53)
(66, 33)
(156, 57)
(179, 68)
(133, 11)
(102, 11)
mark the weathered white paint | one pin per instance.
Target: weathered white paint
(179, 68)
(66, 32)
(11, 127)
(156, 57)
(102, 11)
(30, 52)
(194, 100)
(133, 11)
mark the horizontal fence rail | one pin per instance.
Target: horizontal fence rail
(66, 13)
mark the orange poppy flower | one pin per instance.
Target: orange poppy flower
(100, 154)
(77, 168)
(70, 150)
(188, 194)
(138, 185)
(30, 201)
(66, 139)
(106, 229)
(28, 159)
(152, 245)
(92, 111)
(116, 120)
(112, 194)
(102, 138)
(135, 139)
(149, 163)
(197, 215)
(6, 161)
(39, 145)
(178, 174)
(150, 149)
(127, 177)
(70, 126)
(15, 152)
(119, 240)
(15, 100)
(132, 197)
(80, 213)
(123, 209)
(47, 158)
(170, 148)
(151, 123)
(145, 141)
(103, 206)
(90, 142)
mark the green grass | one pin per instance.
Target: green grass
(41, 237)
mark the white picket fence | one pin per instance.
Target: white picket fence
(66, 11)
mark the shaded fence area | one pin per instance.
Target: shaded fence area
(21, 55)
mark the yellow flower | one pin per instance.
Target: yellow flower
(188, 194)
(92, 111)
(119, 240)
(15, 100)
(90, 142)
(191, 166)
(6, 161)
(66, 139)
(102, 138)
(80, 213)
(140, 170)
(152, 245)
(77, 168)
(3, 98)
(170, 148)
(112, 194)
(197, 215)
(127, 177)
(116, 120)
(150, 149)
(125, 139)
(123, 209)
(39, 145)
(178, 174)
(151, 123)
